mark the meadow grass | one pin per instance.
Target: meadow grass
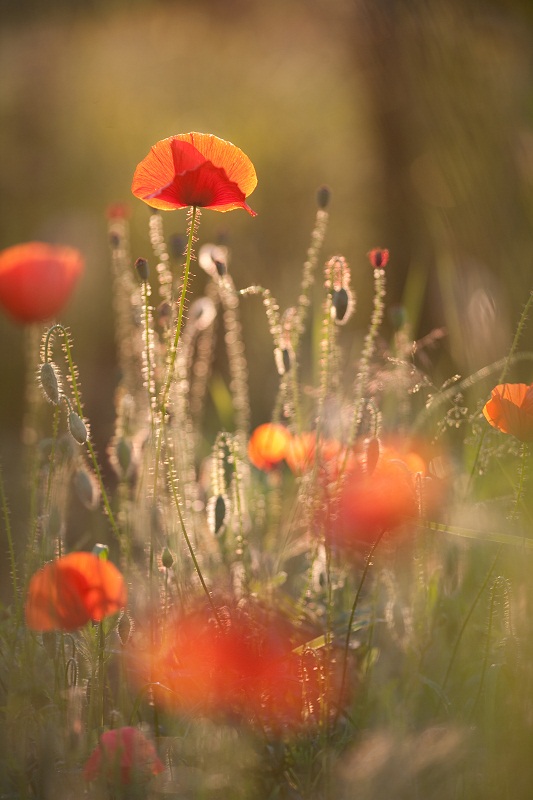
(336, 605)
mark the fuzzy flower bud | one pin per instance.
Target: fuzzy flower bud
(323, 196)
(77, 428)
(141, 265)
(49, 382)
(166, 558)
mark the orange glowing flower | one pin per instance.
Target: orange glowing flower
(373, 503)
(37, 279)
(301, 455)
(68, 592)
(268, 445)
(123, 756)
(195, 169)
(245, 665)
(510, 410)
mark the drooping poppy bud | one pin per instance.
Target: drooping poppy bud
(141, 265)
(50, 382)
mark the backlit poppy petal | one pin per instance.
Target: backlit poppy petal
(510, 410)
(195, 169)
(268, 445)
(68, 592)
(37, 279)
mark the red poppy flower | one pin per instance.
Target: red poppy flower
(376, 502)
(195, 169)
(123, 756)
(268, 445)
(247, 666)
(510, 410)
(68, 592)
(37, 279)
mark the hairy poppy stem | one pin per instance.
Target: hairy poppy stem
(368, 563)
(77, 399)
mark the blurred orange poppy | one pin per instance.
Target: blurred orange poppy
(373, 503)
(268, 445)
(510, 410)
(124, 756)
(68, 592)
(246, 666)
(37, 279)
(195, 169)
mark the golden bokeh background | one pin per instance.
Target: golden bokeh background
(417, 114)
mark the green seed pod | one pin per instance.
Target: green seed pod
(77, 428)
(49, 382)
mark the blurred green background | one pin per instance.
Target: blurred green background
(418, 114)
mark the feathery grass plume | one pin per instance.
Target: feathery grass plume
(378, 259)
(201, 316)
(238, 368)
(160, 250)
(201, 366)
(127, 311)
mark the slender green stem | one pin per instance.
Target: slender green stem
(11, 548)
(368, 563)
(467, 618)
(193, 222)
(79, 409)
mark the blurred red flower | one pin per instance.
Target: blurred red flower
(195, 169)
(510, 410)
(37, 279)
(68, 592)
(248, 667)
(371, 504)
(123, 756)
(268, 445)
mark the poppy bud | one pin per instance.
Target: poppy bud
(77, 428)
(283, 359)
(378, 258)
(217, 514)
(164, 314)
(166, 558)
(141, 265)
(323, 196)
(341, 305)
(124, 628)
(49, 382)
(71, 673)
(86, 488)
(123, 454)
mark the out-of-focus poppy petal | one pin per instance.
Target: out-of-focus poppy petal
(195, 169)
(371, 504)
(268, 445)
(510, 410)
(68, 592)
(246, 666)
(123, 756)
(37, 279)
